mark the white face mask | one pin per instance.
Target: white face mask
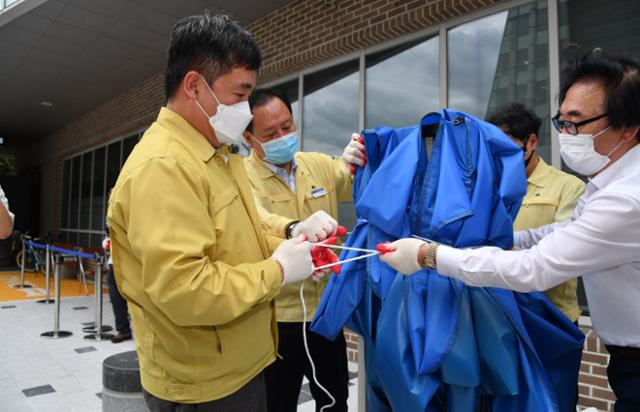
(229, 121)
(579, 154)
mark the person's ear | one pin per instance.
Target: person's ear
(191, 84)
(247, 138)
(629, 134)
(532, 142)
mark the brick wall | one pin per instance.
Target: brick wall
(296, 36)
(593, 386)
(352, 345)
(307, 32)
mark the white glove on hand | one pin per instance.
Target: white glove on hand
(294, 256)
(316, 227)
(355, 152)
(403, 255)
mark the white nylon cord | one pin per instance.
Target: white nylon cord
(306, 348)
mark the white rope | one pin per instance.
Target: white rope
(306, 348)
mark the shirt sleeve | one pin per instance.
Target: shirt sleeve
(604, 236)
(5, 202)
(171, 233)
(525, 239)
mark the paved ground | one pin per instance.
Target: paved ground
(49, 375)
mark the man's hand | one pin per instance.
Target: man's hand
(294, 257)
(402, 255)
(355, 153)
(316, 227)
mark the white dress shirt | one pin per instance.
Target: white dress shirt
(602, 241)
(289, 178)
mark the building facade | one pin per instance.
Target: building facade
(352, 64)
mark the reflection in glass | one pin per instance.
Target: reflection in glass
(500, 59)
(290, 91)
(127, 146)
(98, 202)
(75, 193)
(589, 25)
(85, 190)
(66, 175)
(113, 164)
(331, 106)
(402, 84)
(473, 50)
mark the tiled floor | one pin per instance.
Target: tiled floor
(49, 375)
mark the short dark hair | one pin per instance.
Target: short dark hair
(261, 97)
(620, 76)
(517, 120)
(211, 44)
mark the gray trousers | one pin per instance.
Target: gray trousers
(252, 397)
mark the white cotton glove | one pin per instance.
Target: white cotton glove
(355, 152)
(316, 227)
(294, 256)
(402, 255)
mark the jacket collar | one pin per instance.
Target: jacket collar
(541, 174)
(263, 170)
(188, 135)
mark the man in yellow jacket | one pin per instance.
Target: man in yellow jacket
(551, 195)
(291, 185)
(189, 252)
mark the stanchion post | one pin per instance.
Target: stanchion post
(99, 329)
(47, 299)
(56, 332)
(24, 254)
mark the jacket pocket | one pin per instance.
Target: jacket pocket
(537, 211)
(223, 199)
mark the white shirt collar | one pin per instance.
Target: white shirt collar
(627, 165)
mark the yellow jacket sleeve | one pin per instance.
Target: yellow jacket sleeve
(343, 180)
(570, 195)
(171, 232)
(272, 224)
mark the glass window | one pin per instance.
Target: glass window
(127, 146)
(75, 193)
(402, 84)
(98, 198)
(500, 59)
(95, 241)
(330, 109)
(66, 175)
(290, 91)
(83, 240)
(85, 187)
(113, 164)
(589, 25)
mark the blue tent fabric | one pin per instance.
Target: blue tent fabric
(432, 343)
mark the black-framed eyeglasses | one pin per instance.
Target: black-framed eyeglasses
(571, 127)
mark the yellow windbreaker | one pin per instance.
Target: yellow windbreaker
(191, 259)
(321, 184)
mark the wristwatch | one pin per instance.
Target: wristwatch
(430, 256)
(288, 230)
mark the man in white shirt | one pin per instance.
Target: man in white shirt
(6, 217)
(599, 125)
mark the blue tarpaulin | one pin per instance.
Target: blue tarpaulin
(432, 343)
